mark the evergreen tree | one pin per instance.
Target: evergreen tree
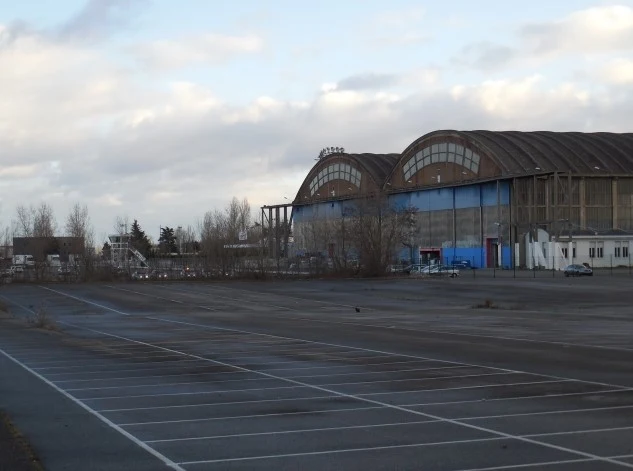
(106, 252)
(139, 239)
(167, 240)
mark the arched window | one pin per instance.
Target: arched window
(437, 153)
(335, 172)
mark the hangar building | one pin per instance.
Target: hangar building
(524, 199)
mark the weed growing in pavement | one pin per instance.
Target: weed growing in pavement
(41, 320)
(487, 304)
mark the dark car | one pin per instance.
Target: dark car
(578, 270)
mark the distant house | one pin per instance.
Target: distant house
(40, 247)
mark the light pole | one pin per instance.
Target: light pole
(499, 245)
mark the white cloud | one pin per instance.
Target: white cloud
(619, 71)
(199, 49)
(597, 29)
(593, 31)
(76, 127)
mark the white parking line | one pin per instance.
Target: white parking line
(364, 398)
(193, 393)
(439, 378)
(415, 404)
(114, 364)
(47, 365)
(241, 300)
(436, 331)
(365, 308)
(434, 378)
(381, 352)
(102, 418)
(100, 372)
(576, 432)
(532, 465)
(289, 432)
(414, 391)
(124, 378)
(162, 385)
(370, 426)
(345, 450)
(232, 403)
(552, 412)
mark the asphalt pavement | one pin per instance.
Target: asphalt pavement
(435, 374)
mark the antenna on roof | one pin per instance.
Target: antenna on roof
(329, 151)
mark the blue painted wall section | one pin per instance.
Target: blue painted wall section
(462, 197)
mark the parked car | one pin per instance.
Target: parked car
(578, 270)
(140, 275)
(416, 269)
(158, 275)
(463, 264)
(443, 270)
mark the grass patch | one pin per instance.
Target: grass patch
(42, 320)
(487, 304)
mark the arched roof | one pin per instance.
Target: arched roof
(379, 166)
(374, 169)
(507, 153)
(518, 152)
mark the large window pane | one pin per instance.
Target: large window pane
(435, 148)
(451, 157)
(443, 147)
(451, 148)
(426, 151)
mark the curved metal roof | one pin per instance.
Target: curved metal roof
(378, 166)
(544, 151)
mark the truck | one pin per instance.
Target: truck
(53, 260)
(26, 261)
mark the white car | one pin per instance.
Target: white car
(443, 270)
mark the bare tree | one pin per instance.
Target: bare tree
(44, 223)
(23, 224)
(78, 225)
(121, 224)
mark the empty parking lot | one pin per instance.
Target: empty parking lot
(466, 374)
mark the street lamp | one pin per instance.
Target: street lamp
(499, 245)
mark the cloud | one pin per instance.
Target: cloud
(618, 71)
(597, 30)
(200, 49)
(99, 19)
(369, 81)
(486, 55)
(74, 126)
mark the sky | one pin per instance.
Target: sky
(160, 111)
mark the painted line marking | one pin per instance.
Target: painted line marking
(168, 384)
(149, 368)
(125, 378)
(500, 434)
(105, 420)
(285, 387)
(288, 432)
(369, 426)
(380, 352)
(114, 366)
(515, 339)
(346, 450)
(195, 393)
(282, 295)
(415, 404)
(222, 404)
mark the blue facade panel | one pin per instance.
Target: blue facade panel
(467, 197)
(476, 256)
(489, 193)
